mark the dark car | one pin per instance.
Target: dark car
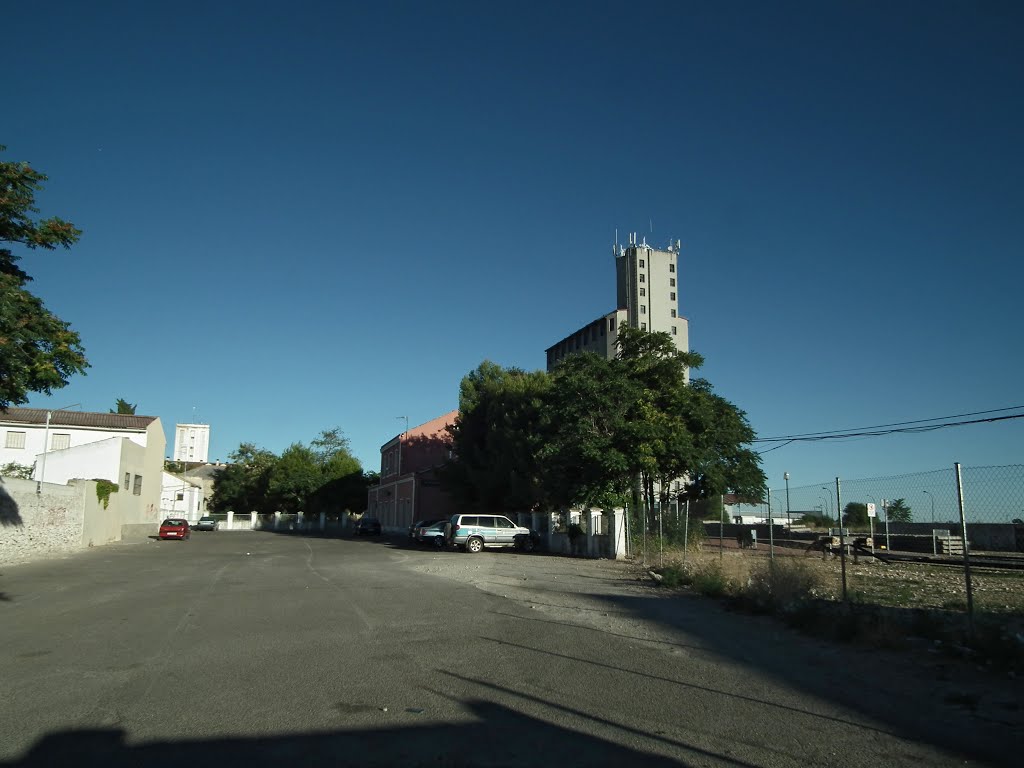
(368, 526)
(415, 527)
(206, 523)
(175, 528)
(433, 534)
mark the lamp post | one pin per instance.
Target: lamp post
(832, 504)
(46, 441)
(822, 507)
(930, 496)
(789, 522)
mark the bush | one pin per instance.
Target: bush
(781, 584)
(711, 581)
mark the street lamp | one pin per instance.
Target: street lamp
(832, 504)
(930, 496)
(822, 508)
(789, 522)
(46, 440)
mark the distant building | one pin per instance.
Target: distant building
(409, 489)
(192, 442)
(66, 445)
(647, 297)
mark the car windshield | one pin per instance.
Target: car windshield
(205, 519)
(175, 523)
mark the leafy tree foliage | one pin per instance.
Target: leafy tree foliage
(898, 511)
(38, 351)
(595, 429)
(321, 477)
(855, 515)
(497, 437)
(14, 469)
(123, 406)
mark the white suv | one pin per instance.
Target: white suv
(476, 532)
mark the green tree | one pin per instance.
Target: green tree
(898, 511)
(496, 438)
(855, 515)
(38, 351)
(242, 485)
(124, 407)
(293, 478)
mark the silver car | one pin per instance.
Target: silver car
(475, 533)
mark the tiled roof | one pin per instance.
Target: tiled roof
(76, 419)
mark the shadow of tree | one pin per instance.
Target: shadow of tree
(511, 739)
(9, 514)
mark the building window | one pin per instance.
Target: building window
(643, 291)
(643, 326)
(671, 282)
(59, 442)
(611, 325)
(15, 440)
(127, 480)
(643, 309)
(642, 279)
(137, 487)
(641, 263)
(673, 330)
(673, 313)
(672, 296)
(671, 267)
(179, 496)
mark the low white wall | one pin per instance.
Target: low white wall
(60, 519)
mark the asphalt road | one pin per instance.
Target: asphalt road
(255, 649)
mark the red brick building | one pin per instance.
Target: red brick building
(409, 489)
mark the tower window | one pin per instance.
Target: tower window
(643, 309)
(673, 313)
(672, 296)
(672, 282)
(671, 267)
(643, 291)
(642, 279)
(641, 262)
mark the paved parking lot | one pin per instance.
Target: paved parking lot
(262, 648)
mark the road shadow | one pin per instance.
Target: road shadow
(9, 514)
(511, 739)
(914, 694)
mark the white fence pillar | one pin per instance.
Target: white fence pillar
(231, 520)
(252, 521)
(618, 534)
(277, 520)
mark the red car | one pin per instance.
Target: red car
(175, 528)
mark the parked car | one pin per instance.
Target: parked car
(415, 527)
(434, 534)
(206, 523)
(475, 533)
(368, 526)
(175, 528)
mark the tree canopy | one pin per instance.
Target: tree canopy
(321, 477)
(898, 511)
(586, 433)
(123, 406)
(38, 351)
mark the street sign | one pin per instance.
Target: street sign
(871, 509)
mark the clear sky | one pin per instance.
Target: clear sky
(305, 215)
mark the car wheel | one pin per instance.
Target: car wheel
(439, 542)
(474, 545)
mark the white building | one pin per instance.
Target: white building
(67, 445)
(181, 497)
(647, 295)
(192, 442)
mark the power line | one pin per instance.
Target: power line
(904, 427)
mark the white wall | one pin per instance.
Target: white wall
(192, 442)
(189, 507)
(35, 433)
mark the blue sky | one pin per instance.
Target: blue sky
(305, 215)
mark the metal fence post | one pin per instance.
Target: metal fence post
(967, 556)
(842, 539)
